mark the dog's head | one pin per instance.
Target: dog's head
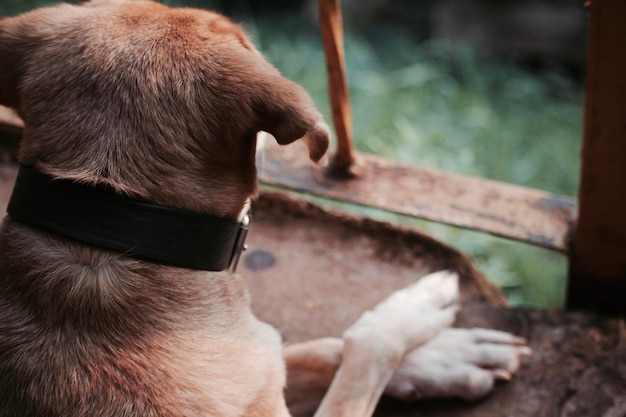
(160, 103)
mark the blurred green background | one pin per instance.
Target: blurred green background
(479, 87)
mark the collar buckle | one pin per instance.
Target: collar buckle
(240, 243)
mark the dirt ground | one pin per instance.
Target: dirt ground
(312, 272)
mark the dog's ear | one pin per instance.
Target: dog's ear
(14, 41)
(20, 37)
(281, 107)
(285, 110)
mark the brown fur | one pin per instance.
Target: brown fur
(162, 104)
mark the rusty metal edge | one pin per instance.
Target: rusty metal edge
(414, 243)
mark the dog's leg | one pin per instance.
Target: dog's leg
(457, 363)
(377, 343)
(460, 363)
(311, 367)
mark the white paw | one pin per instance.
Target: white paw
(411, 316)
(461, 363)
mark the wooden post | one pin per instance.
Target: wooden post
(331, 23)
(598, 259)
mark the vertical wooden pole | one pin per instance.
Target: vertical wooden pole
(598, 259)
(331, 23)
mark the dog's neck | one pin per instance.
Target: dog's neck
(97, 216)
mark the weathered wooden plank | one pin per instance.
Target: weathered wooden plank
(513, 212)
(598, 261)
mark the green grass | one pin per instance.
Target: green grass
(14, 7)
(429, 104)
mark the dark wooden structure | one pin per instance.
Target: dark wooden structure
(598, 258)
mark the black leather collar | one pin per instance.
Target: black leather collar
(98, 216)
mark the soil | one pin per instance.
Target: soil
(312, 273)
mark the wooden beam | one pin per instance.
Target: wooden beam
(528, 215)
(598, 260)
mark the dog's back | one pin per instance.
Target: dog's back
(87, 333)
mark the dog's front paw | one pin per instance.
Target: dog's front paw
(409, 317)
(458, 363)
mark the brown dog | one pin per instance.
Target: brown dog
(148, 106)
